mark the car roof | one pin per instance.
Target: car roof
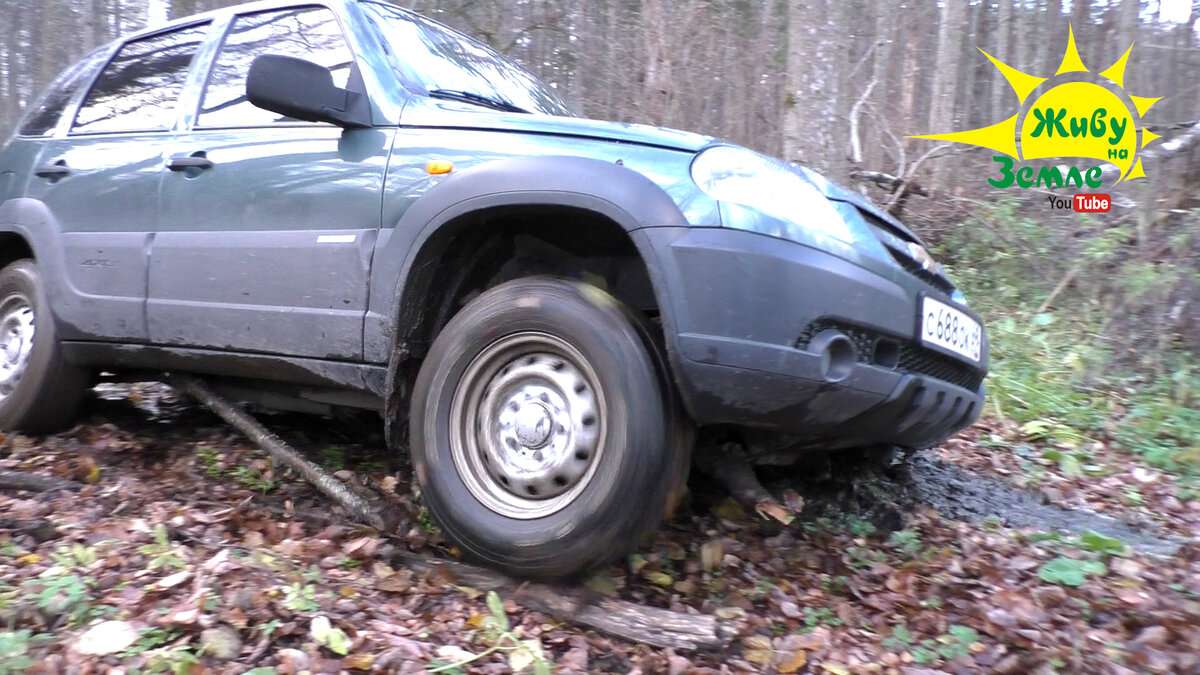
(257, 6)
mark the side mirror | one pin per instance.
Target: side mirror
(305, 91)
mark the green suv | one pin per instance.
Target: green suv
(340, 203)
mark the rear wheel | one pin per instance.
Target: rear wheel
(39, 391)
(542, 435)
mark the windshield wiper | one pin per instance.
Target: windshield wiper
(477, 99)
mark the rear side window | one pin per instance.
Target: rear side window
(44, 116)
(139, 88)
(310, 33)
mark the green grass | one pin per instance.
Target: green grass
(1082, 373)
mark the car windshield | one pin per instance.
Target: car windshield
(446, 64)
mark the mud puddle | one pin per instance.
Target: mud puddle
(886, 495)
(962, 495)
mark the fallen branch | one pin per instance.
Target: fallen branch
(19, 480)
(636, 623)
(281, 452)
(887, 180)
(1062, 285)
(40, 529)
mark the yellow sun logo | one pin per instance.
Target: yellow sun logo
(1070, 119)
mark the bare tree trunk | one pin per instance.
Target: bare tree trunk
(1001, 91)
(1052, 47)
(946, 76)
(12, 70)
(881, 74)
(812, 131)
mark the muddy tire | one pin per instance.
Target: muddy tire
(541, 434)
(39, 391)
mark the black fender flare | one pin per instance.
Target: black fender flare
(32, 220)
(613, 191)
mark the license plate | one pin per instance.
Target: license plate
(949, 328)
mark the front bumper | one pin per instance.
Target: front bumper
(744, 314)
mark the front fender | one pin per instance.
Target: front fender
(613, 191)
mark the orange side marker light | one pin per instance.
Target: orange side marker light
(437, 167)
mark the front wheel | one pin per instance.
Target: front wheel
(541, 430)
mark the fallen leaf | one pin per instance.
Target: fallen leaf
(107, 637)
(602, 583)
(659, 578)
(219, 563)
(334, 639)
(359, 661)
(757, 650)
(529, 652)
(172, 581)
(730, 613)
(1069, 571)
(776, 511)
(1131, 596)
(183, 615)
(711, 554)
(396, 583)
(729, 509)
(453, 653)
(469, 591)
(221, 642)
(791, 662)
(361, 548)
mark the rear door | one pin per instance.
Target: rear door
(100, 183)
(267, 224)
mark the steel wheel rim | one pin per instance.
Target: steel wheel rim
(527, 425)
(16, 341)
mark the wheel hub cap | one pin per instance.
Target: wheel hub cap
(526, 427)
(532, 424)
(16, 341)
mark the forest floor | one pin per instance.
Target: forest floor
(186, 552)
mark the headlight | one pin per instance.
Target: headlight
(739, 176)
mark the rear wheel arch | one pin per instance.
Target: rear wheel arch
(14, 246)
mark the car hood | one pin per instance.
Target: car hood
(451, 114)
(840, 193)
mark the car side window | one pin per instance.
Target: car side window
(310, 33)
(139, 88)
(44, 116)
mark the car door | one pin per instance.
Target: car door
(100, 183)
(267, 224)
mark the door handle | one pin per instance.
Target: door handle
(53, 171)
(196, 160)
